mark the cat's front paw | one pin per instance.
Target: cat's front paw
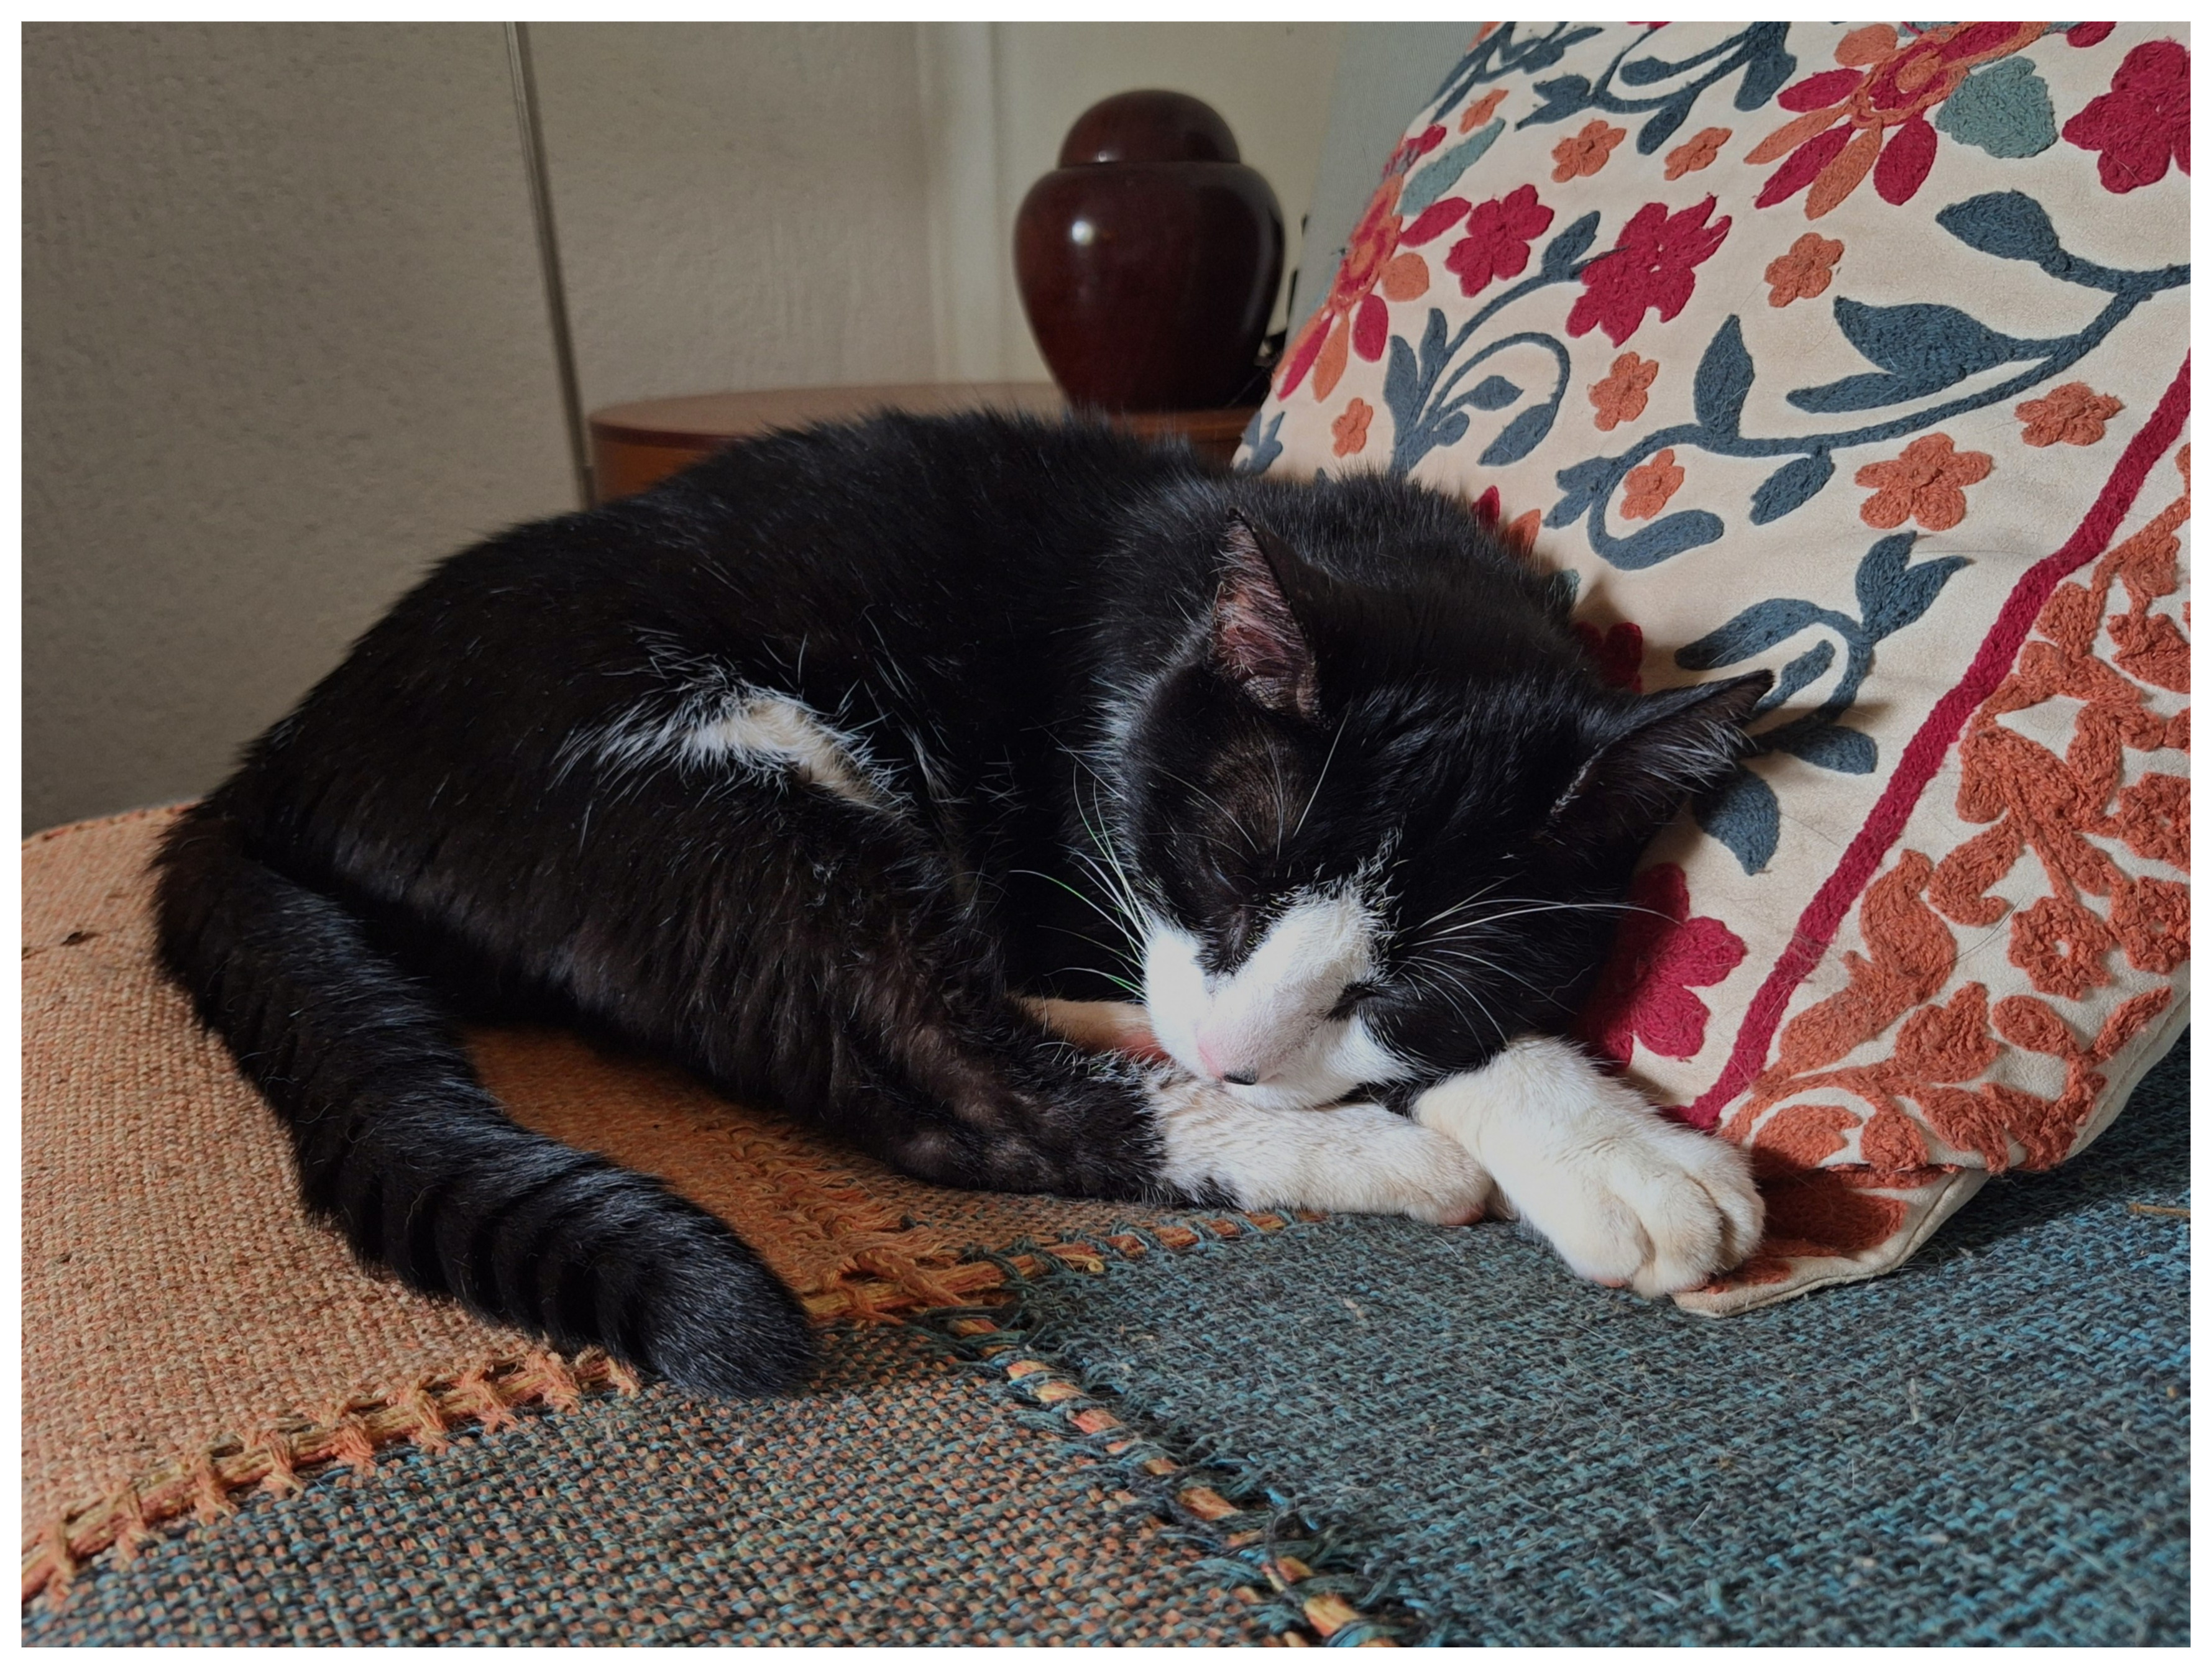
(1626, 1197)
(1358, 1157)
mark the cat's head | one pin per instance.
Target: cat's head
(1383, 826)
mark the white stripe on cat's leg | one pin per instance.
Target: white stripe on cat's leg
(1625, 1196)
(1354, 1158)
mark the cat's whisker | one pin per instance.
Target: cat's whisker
(1234, 820)
(1461, 986)
(1548, 909)
(1459, 955)
(1464, 904)
(1327, 761)
(1114, 979)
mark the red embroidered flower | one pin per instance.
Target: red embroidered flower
(1653, 265)
(1521, 536)
(1871, 115)
(1618, 652)
(1643, 996)
(1354, 317)
(2142, 123)
(1498, 233)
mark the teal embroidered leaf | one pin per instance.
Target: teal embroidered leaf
(1799, 673)
(2003, 108)
(1518, 437)
(1493, 394)
(1791, 486)
(1564, 250)
(1742, 816)
(1752, 632)
(1441, 175)
(1834, 748)
(2009, 225)
(1723, 380)
(1670, 536)
(1922, 347)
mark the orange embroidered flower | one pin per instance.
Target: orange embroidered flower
(2151, 916)
(1481, 110)
(1804, 272)
(1379, 267)
(1870, 115)
(1351, 428)
(2075, 414)
(1586, 152)
(2061, 946)
(1620, 397)
(2154, 818)
(1650, 486)
(1521, 536)
(1923, 485)
(1698, 152)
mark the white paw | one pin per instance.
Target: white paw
(1353, 1158)
(1626, 1197)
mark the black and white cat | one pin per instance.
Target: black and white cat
(838, 766)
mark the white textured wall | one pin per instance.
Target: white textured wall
(283, 344)
(740, 205)
(285, 341)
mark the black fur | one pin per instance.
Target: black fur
(1060, 650)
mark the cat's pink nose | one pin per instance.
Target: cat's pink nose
(1210, 1058)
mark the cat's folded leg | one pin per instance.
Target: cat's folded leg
(1358, 1157)
(1625, 1196)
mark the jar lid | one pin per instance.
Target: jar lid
(1149, 126)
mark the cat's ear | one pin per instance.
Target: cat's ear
(1257, 641)
(1677, 743)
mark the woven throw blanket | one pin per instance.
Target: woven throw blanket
(188, 1333)
(1858, 353)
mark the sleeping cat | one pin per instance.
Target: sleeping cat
(829, 766)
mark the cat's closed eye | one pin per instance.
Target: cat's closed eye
(1353, 996)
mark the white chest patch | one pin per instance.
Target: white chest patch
(1268, 1029)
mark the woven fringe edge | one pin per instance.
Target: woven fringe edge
(1267, 1554)
(878, 1286)
(281, 1458)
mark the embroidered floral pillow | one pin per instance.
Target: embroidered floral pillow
(1858, 353)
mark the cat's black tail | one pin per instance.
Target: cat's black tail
(401, 1145)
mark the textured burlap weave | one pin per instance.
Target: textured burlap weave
(173, 1292)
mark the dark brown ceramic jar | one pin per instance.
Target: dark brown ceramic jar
(1148, 260)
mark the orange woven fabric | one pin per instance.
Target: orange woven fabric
(174, 1294)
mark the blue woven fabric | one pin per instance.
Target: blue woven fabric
(1989, 1446)
(894, 1503)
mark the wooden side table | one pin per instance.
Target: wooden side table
(634, 444)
